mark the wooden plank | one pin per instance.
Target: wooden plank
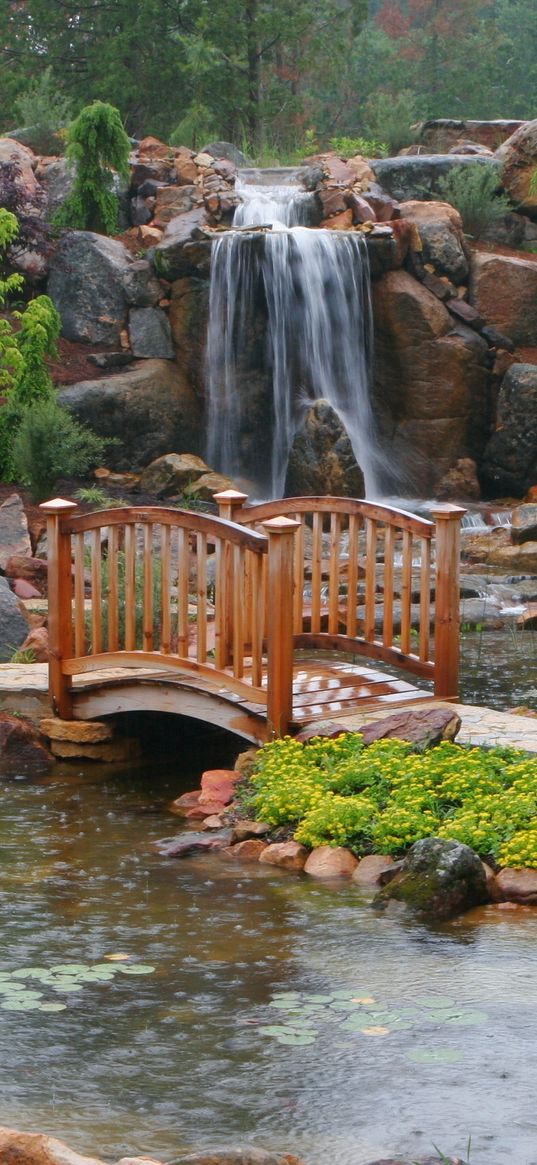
(80, 591)
(298, 574)
(352, 575)
(113, 589)
(447, 605)
(207, 524)
(130, 587)
(201, 596)
(165, 590)
(406, 593)
(334, 573)
(147, 610)
(387, 622)
(325, 504)
(370, 579)
(96, 593)
(183, 567)
(316, 571)
(391, 655)
(257, 619)
(425, 599)
(280, 532)
(238, 612)
(160, 664)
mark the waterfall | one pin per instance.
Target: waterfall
(290, 323)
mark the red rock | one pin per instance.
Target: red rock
(250, 850)
(286, 855)
(339, 222)
(461, 482)
(24, 589)
(218, 785)
(22, 748)
(23, 566)
(332, 200)
(417, 725)
(200, 812)
(369, 869)
(37, 641)
(18, 1148)
(362, 210)
(185, 802)
(331, 861)
(520, 886)
(503, 288)
(329, 729)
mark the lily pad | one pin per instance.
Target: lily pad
(437, 1001)
(136, 969)
(434, 1055)
(20, 1005)
(468, 1019)
(70, 968)
(298, 1040)
(52, 1007)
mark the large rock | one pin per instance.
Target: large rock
(321, 460)
(174, 200)
(150, 409)
(442, 133)
(141, 287)
(422, 726)
(86, 283)
(223, 149)
(245, 1156)
(149, 334)
(14, 536)
(331, 861)
(172, 473)
(189, 313)
(438, 878)
(518, 159)
(181, 252)
(431, 385)
(509, 465)
(420, 176)
(503, 288)
(14, 153)
(286, 855)
(22, 752)
(515, 885)
(441, 232)
(524, 524)
(37, 1149)
(13, 625)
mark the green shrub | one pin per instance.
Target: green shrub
(50, 444)
(473, 190)
(9, 229)
(44, 109)
(387, 796)
(24, 376)
(100, 148)
(367, 147)
(388, 118)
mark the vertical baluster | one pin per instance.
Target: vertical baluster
(316, 571)
(387, 600)
(298, 573)
(183, 568)
(201, 592)
(352, 575)
(220, 652)
(256, 572)
(60, 592)
(406, 593)
(370, 578)
(130, 587)
(425, 598)
(165, 591)
(447, 603)
(113, 596)
(238, 612)
(334, 573)
(280, 626)
(147, 601)
(96, 593)
(80, 594)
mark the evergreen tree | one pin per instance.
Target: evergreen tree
(100, 149)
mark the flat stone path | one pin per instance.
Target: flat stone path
(480, 725)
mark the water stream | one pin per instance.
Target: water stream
(175, 1059)
(289, 324)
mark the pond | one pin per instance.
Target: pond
(404, 1035)
(499, 667)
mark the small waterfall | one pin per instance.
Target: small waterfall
(290, 323)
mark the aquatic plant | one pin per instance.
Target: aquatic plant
(18, 988)
(385, 797)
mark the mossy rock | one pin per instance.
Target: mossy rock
(439, 878)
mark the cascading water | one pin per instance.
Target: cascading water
(289, 324)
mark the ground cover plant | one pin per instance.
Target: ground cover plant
(384, 797)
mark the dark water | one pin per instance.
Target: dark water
(174, 1060)
(499, 667)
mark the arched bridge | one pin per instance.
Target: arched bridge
(260, 620)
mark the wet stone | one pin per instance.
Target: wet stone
(190, 843)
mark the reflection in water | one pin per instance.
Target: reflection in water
(174, 1060)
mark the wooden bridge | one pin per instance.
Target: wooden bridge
(259, 620)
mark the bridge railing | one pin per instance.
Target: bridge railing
(364, 579)
(157, 587)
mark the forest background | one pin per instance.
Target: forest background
(273, 77)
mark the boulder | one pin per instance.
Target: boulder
(460, 483)
(150, 335)
(244, 829)
(187, 844)
(422, 726)
(14, 153)
(77, 731)
(18, 1148)
(150, 408)
(14, 536)
(331, 861)
(509, 465)
(329, 729)
(186, 171)
(87, 285)
(286, 855)
(141, 287)
(431, 385)
(441, 232)
(186, 801)
(503, 288)
(174, 200)
(512, 885)
(420, 176)
(223, 149)
(37, 642)
(189, 314)
(13, 625)
(442, 132)
(249, 850)
(218, 785)
(180, 252)
(518, 160)
(524, 523)
(172, 473)
(22, 752)
(24, 589)
(370, 869)
(210, 484)
(439, 878)
(321, 460)
(56, 177)
(236, 1156)
(35, 570)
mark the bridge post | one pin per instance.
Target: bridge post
(60, 591)
(280, 584)
(229, 501)
(447, 601)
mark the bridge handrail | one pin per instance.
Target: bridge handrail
(247, 563)
(380, 527)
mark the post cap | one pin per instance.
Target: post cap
(448, 510)
(230, 495)
(281, 525)
(58, 506)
